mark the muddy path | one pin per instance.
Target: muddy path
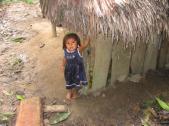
(32, 67)
(39, 64)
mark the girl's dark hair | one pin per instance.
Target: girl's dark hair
(71, 35)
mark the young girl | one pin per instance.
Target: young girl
(73, 65)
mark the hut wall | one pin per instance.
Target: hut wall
(162, 60)
(151, 55)
(138, 56)
(167, 59)
(120, 62)
(142, 58)
(102, 62)
(150, 61)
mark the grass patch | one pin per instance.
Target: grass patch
(18, 39)
(28, 1)
(6, 116)
(16, 62)
(14, 1)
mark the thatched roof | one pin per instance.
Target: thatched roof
(130, 20)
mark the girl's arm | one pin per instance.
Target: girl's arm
(63, 63)
(84, 45)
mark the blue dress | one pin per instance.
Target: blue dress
(74, 69)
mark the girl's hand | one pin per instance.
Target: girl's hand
(62, 68)
(63, 64)
(85, 44)
(87, 41)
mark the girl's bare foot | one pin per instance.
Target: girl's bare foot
(75, 94)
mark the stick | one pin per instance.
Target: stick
(55, 108)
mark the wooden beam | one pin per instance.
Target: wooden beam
(30, 113)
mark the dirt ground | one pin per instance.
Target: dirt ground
(32, 68)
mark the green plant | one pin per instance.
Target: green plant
(12, 1)
(163, 104)
(28, 1)
(16, 62)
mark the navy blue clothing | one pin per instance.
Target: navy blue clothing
(74, 69)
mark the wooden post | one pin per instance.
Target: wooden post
(120, 62)
(150, 62)
(138, 56)
(54, 33)
(162, 56)
(102, 62)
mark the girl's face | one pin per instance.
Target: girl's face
(71, 44)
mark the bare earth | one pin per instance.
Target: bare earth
(39, 74)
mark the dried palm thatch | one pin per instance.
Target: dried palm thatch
(130, 21)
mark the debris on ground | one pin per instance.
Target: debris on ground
(122, 78)
(41, 45)
(7, 93)
(6, 116)
(156, 112)
(148, 117)
(59, 117)
(135, 78)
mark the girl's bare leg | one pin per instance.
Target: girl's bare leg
(69, 94)
(75, 93)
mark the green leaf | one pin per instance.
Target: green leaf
(59, 117)
(20, 97)
(163, 104)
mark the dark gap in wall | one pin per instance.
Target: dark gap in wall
(131, 57)
(109, 74)
(161, 49)
(158, 56)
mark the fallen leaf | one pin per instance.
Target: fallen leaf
(20, 97)
(59, 117)
(163, 104)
